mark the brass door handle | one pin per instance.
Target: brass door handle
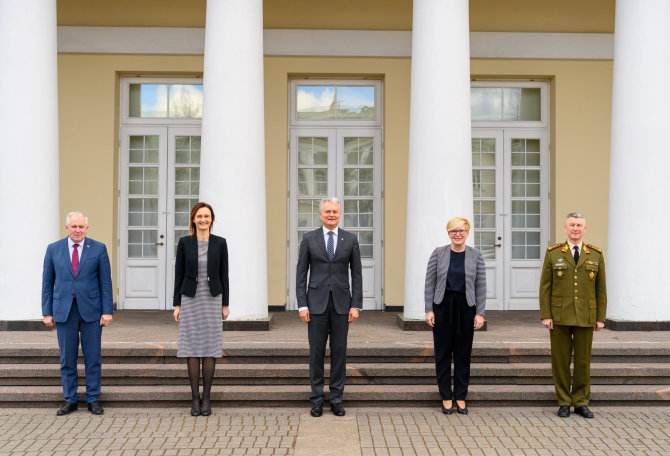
(497, 245)
(158, 243)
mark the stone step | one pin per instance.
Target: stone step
(357, 373)
(297, 353)
(361, 395)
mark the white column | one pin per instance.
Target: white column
(638, 250)
(232, 176)
(28, 152)
(440, 150)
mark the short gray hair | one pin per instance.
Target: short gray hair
(329, 199)
(75, 213)
(578, 215)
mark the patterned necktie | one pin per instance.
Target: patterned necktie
(576, 254)
(75, 259)
(330, 247)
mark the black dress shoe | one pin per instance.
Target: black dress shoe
(95, 408)
(584, 411)
(462, 411)
(563, 411)
(317, 410)
(66, 408)
(196, 406)
(447, 411)
(337, 409)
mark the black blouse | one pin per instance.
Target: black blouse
(456, 272)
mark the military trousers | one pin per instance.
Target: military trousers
(566, 340)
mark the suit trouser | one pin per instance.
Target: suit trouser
(565, 340)
(68, 341)
(452, 336)
(320, 326)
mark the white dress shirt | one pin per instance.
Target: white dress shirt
(71, 243)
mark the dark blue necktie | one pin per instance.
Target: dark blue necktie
(330, 247)
(576, 254)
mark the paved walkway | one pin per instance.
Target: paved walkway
(363, 432)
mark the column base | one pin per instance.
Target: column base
(23, 325)
(628, 325)
(263, 324)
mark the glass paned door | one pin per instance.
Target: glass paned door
(487, 191)
(159, 183)
(344, 163)
(510, 188)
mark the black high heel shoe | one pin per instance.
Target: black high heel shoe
(207, 411)
(447, 411)
(462, 411)
(195, 406)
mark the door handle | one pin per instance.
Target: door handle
(158, 243)
(494, 245)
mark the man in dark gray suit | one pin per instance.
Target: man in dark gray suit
(329, 304)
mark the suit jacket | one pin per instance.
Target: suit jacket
(573, 294)
(475, 278)
(186, 268)
(313, 258)
(92, 285)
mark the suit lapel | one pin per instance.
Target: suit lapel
(339, 244)
(565, 250)
(582, 257)
(84, 254)
(65, 253)
(322, 242)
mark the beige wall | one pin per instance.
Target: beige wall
(88, 117)
(580, 135)
(594, 16)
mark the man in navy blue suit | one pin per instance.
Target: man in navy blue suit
(77, 299)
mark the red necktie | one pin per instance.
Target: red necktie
(75, 259)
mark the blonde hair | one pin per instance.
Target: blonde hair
(457, 222)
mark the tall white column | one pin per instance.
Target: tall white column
(232, 176)
(440, 150)
(638, 250)
(28, 152)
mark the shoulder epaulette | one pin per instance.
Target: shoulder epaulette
(597, 249)
(555, 246)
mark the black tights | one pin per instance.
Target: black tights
(208, 365)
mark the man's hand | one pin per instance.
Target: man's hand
(49, 321)
(548, 323)
(304, 315)
(105, 319)
(225, 311)
(430, 319)
(353, 315)
(599, 325)
(177, 311)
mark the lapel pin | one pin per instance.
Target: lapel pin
(592, 274)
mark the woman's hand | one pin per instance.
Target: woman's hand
(479, 322)
(177, 310)
(430, 319)
(225, 311)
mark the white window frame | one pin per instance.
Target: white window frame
(293, 109)
(125, 102)
(544, 103)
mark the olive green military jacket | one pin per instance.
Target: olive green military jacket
(573, 295)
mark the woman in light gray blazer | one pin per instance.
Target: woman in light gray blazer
(455, 300)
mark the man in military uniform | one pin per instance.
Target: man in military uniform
(573, 301)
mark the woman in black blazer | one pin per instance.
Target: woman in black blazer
(455, 298)
(200, 302)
